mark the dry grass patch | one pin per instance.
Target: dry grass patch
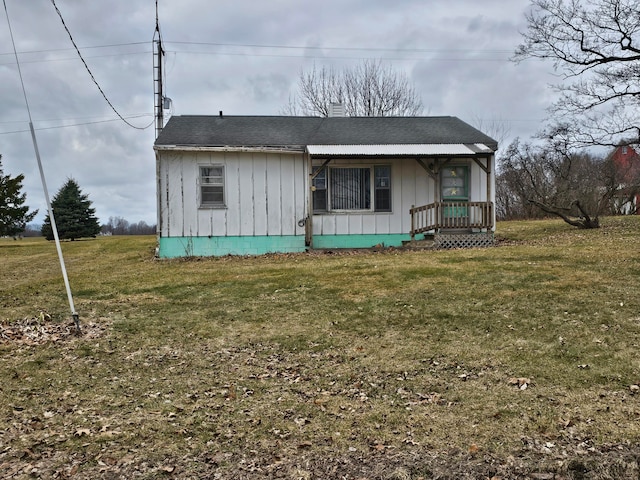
(370, 365)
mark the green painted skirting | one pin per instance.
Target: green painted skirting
(361, 241)
(174, 247)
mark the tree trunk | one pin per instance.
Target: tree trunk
(585, 220)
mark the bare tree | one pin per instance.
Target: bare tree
(573, 186)
(368, 90)
(121, 226)
(595, 45)
(496, 127)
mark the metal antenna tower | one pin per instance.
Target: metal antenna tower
(158, 56)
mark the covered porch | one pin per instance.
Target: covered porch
(453, 212)
(362, 193)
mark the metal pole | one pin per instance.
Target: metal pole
(157, 71)
(74, 314)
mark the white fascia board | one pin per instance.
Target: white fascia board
(201, 148)
(391, 150)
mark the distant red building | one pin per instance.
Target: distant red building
(626, 163)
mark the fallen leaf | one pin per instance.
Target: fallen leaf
(168, 468)
(82, 431)
(521, 382)
(566, 423)
(473, 448)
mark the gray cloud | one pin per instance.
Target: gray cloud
(456, 53)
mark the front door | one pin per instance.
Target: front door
(455, 195)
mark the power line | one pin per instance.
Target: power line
(146, 52)
(367, 49)
(275, 55)
(399, 51)
(74, 124)
(49, 50)
(85, 117)
(91, 74)
(336, 57)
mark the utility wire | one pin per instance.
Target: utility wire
(75, 124)
(398, 51)
(357, 49)
(286, 47)
(91, 74)
(88, 118)
(146, 52)
(337, 57)
(49, 50)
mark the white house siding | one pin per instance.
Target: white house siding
(478, 182)
(265, 194)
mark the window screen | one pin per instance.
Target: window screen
(350, 189)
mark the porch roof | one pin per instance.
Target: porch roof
(395, 150)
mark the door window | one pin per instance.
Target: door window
(455, 184)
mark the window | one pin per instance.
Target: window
(320, 190)
(212, 186)
(352, 188)
(383, 188)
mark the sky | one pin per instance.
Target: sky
(243, 57)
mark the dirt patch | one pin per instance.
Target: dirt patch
(42, 329)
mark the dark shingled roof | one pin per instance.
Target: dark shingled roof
(297, 132)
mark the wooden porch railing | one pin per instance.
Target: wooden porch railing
(451, 215)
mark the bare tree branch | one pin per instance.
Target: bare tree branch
(575, 186)
(596, 42)
(368, 89)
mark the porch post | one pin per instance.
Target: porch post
(489, 194)
(488, 171)
(437, 195)
(308, 224)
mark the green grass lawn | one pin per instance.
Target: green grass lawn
(395, 364)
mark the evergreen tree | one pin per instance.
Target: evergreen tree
(75, 218)
(14, 215)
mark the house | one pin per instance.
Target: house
(625, 161)
(249, 185)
